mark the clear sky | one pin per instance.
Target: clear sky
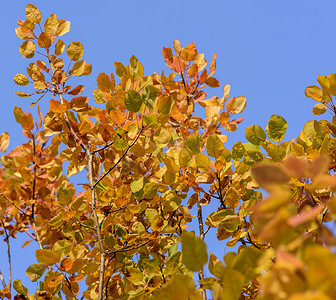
(268, 51)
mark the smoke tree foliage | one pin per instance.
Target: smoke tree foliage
(149, 159)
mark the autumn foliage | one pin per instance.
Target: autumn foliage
(149, 160)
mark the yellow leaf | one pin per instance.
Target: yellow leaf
(27, 49)
(21, 79)
(33, 13)
(75, 51)
(59, 47)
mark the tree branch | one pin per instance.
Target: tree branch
(2, 280)
(127, 248)
(201, 229)
(9, 256)
(120, 159)
(90, 155)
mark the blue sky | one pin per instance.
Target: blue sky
(268, 51)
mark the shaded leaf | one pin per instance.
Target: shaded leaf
(194, 252)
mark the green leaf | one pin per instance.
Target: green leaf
(75, 51)
(120, 230)
(214, 146)
(109, 240)
(137, 184)
(62, 247)
(27, 49)
(57, 221)
(276, 152)
(151, 214)
(20, 288)
(276, 128)
(64, 197)
(21, 79)
(194, 251)
(149, 95)
(238, 151)
(46, 257)
(193, 143)
(35, 271)
(255, 135)
(312, 129)
(246, 262)
(232, 290)
(231, 223)
(150, 190)
(133, 101)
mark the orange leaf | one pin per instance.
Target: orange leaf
(117, 117)
(57, 107)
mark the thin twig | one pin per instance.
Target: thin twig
(2, 280)
(11, 202)
(220, 190)
(103, 148)
(127, 248)
(120, 159)
(84, 225)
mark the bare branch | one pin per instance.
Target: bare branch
(90, 155)
(8, 255)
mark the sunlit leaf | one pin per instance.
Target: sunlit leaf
(236, 104)
(4, 141)
(59, 47)
(21, 79)
(99, 96)
(75, 51)
(78, 68)
(34, 272)
(33, 13)
(276, 128)
(104, 83)
(214, 146)
(20, 288)
(255, 134)
(27, 49)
